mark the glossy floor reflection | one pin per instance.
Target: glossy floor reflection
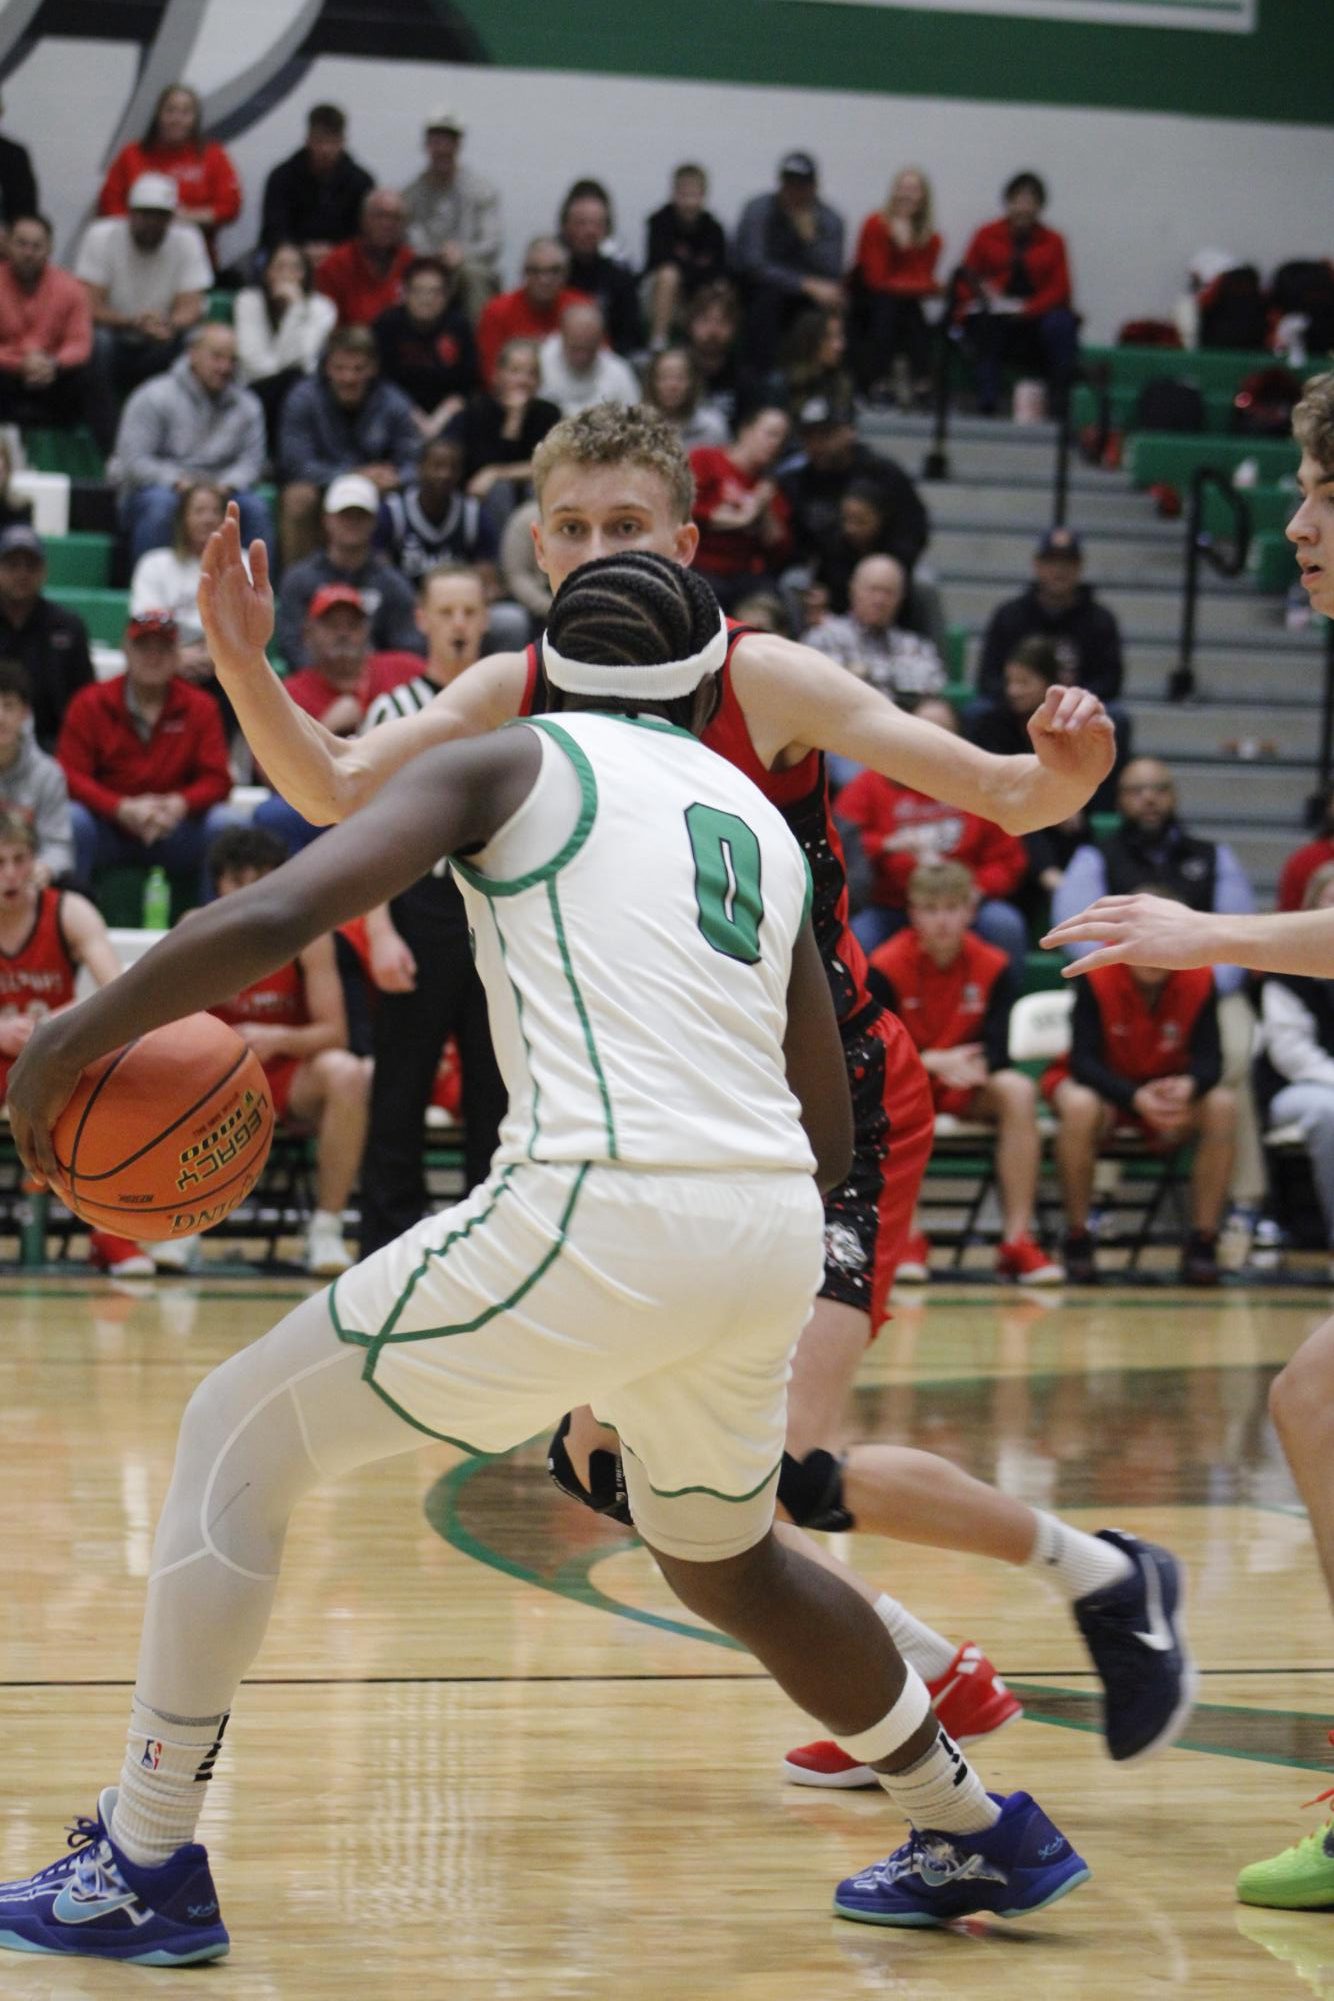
(484, 1754)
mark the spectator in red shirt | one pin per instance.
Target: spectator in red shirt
(897, 254)
(744, 521)
(953, 993)
(533, 309)
(145, 759)
(898, 830)
(364, 277)
(1145, 1055)
(1303, 863)
(46, 331)
(1022, 309)
(210, 190)
(341, 675)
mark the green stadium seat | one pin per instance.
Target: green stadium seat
(1154, 456)
(79, 562)
(956, 652)
(1272, 563)
(1042, 972)
(119, 895)
(103, 612)
(1213, 370)
(1271, 506)
(73, 452)
(220, 307)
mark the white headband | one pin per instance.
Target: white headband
(661, 683)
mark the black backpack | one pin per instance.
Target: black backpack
(1165, 403)
(1232, 310)
(1305, 286)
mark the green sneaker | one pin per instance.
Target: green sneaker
(1300, 1879)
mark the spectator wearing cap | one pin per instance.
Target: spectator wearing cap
(207, 184)
(146, 762)
(46, 332)
(50, 642)
(31, 783)
(744, 531)
(342, 420)
(194, 423)
(454, 214)
(1059, 606)
(313, 198)
(429, 522)
(578, 369)
(586, 230)
(146, 276)
(364, 276)
(869, 643)
(351, 506)
(426, 346)
(685, 248)
(832, 458)
(533, 309)
(789, 252)
(1020, 278)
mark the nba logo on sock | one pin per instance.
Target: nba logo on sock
(152, 1754)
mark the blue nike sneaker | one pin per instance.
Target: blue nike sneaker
(96, 1902)
(1017, 1866)
(1135, 1634)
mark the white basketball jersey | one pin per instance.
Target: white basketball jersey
(633, 925)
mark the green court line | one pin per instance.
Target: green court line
(1062, 1708)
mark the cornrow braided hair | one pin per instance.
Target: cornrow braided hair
(633, 610)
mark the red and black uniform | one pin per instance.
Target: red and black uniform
(40, 976)
(881, 810)
(969, 1001)
(868, 1217)
(280, 1000)
(1123, 1036)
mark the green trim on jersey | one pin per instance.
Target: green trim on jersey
(523, 1032)
(589, 1044)
(659, 723)
(680, 1493)
(809, 898)
(490, 885)
(387, 1338)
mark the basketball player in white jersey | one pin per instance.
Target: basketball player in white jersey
(1134, 930)
(649, 1241)
(612, 479)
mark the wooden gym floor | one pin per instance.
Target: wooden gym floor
(484, 1757)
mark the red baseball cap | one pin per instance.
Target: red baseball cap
(329, 595)
(144, 624)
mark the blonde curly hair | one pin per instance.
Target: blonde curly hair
(618, 434)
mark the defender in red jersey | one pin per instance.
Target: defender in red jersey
(954, 992)
(611, 479)
(296, 1023)
(46, 935)
(1145, 1055)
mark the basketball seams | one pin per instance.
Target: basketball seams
(93, 1096)
(120, 1166)
(215, 1190)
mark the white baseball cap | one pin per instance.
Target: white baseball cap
(351, 489)
(445, 119)
(155, 191)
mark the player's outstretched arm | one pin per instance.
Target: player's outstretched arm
(1153, 931)
(455, 797)
(817, 1069)
(323, 776)
(793, 696)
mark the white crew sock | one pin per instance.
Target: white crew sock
(942, 1792)
(167, 1761)
(1074, 1562)
(921, 1646)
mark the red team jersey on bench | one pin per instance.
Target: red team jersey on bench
(40, 976)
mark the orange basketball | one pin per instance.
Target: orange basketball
(167, 1135)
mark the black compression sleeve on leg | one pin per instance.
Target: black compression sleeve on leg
(605, 1493)
(811, 1489)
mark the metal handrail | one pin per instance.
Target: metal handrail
(949, 332)
(1098, 376)
(1226, 557)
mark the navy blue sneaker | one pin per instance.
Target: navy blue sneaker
(1017, 1866)
(1134, 1632)
(96, 1902)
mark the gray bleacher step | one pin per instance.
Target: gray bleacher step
(1109, 559)
(1144, 614)
(998, 503)
(1261, 851)
(1227, 674)
(1179, 729)
(1258, 794)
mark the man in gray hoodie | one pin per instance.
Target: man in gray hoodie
(32, 783)
(193, 423)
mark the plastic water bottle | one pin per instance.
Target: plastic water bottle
(157, 901)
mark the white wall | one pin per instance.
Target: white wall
(1136, 194)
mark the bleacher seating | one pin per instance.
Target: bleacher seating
(1217, 372)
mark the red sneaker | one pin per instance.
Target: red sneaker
(970, 1701)
(914, 1267)
(119, 1257)
(1026, 1264)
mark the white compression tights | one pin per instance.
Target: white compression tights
(276, 1420)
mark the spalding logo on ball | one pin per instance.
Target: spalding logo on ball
(166, 1136)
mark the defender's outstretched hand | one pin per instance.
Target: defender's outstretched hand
(1073, 737)
(235, 602)
(1136, 931)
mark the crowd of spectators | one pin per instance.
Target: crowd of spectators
(372, 370)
